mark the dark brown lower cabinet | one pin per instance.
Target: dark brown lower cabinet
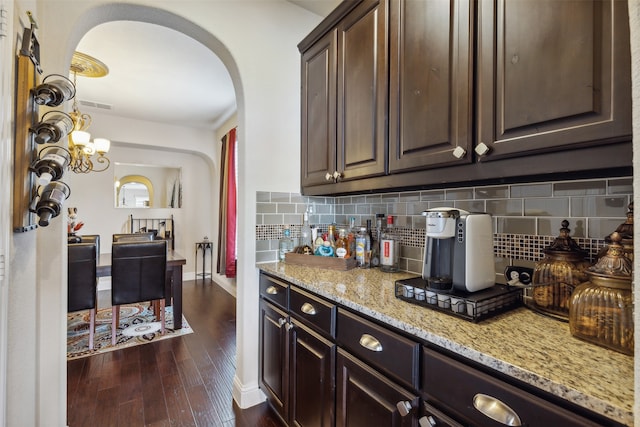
(366, 398)
(312, 371)
(476, 398)
(297, 368)
(274, 357)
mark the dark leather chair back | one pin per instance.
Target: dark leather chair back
(82, 280)
(134, 237)
(138, 271)
(92, 238)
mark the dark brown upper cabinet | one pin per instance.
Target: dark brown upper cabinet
(344, 99)
(552, 75)
(319, 75)
(431, 82)
(438, 93)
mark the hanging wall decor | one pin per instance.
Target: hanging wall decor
(37, 190)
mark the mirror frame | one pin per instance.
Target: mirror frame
(135, 178)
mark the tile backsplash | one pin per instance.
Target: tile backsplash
(526, 217)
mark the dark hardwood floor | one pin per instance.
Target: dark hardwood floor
(182, 381)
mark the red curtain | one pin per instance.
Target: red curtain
(228, 221)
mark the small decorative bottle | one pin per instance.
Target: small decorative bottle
(305, 231)
(389, 248)
(286, 244)
(343, 247)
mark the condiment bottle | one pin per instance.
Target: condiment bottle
(389, 248)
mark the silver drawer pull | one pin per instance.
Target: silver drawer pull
(496, 410)
(308, 309)
(272, 290)
(370, 343)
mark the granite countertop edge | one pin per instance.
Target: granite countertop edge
(336, 286)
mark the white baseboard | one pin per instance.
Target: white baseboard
(246, 397)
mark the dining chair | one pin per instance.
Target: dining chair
(92, 238)
(82, 282)
(134, 237)
(138, 273)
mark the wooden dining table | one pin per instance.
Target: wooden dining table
(173, 286)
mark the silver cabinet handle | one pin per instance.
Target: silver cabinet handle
(337, 175)
(404, 408)
(308, 309)
(481, 149)
(282, 321)
(272, 290)
(370, 343)
(427, 421)
(496, 410)
(289, 326)
(328, 177)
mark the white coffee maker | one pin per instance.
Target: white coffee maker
(458, 252)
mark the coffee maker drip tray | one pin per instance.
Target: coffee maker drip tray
(472, 306)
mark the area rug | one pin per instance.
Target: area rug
(138, 325)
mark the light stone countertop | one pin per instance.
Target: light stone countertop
(533, 348)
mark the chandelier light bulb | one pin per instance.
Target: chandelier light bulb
(102, 145)
(80, 138)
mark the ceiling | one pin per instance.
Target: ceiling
(161, 67)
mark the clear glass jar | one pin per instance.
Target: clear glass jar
(556, 276)
(601, 309)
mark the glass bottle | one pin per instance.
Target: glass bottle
(370, 243)
(305, 231)
(331, 236)
(389, 248)
(375, 243)
(363, 248)
(286, 244)
(343, 247)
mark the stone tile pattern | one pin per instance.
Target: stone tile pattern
(526, 217)
(522, 344)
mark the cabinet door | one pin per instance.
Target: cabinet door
(552, 75)
(319, 71)
(365, 398)
(274, 357)
(362, 91)
(430, 93)
(312, 378)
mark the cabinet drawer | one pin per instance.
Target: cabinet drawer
(454, 386)
(317, 313)
(388, 351)
(274, 290)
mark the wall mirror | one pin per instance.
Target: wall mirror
(146, 186)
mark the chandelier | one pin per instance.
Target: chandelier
(86, 155)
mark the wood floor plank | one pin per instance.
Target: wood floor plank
(178, 405)
(182, 381)
(203, 411)
(131, 413)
